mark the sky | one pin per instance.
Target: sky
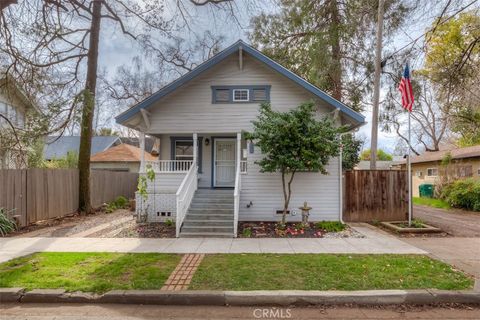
(118, 50)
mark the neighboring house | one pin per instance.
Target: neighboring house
(395, 164)
(14, 105)
(428, 168)
(58, 147)
(152, 145)
(199, 118)
(123, 157)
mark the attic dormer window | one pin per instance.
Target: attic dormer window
(241, 95)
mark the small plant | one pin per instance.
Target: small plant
(7, 225)
(375, 222)
(416, 223)
(119, 203)
(169, 223)
(247, 232)
(330, 226)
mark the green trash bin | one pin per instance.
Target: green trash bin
(426, 190)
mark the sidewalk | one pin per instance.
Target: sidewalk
(375, 242)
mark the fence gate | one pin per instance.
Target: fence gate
(375, 195)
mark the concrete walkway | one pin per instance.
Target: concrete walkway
(375, 242)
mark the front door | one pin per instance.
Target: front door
(224, 168)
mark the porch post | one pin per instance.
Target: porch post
(239, 149)
(142, 152)
(195, 149)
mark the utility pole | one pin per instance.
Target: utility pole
(376, 86)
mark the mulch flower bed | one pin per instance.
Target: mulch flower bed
(147, 230)
(292, 230)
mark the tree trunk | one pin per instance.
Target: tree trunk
(287, 193)
(336, 66)
(88, 110)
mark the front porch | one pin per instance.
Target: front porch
(186, 164)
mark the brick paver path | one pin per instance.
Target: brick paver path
(183, 273)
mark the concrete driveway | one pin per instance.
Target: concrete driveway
(458, 223)
(463, 253)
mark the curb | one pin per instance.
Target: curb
(243, 298)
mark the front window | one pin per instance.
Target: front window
(183, 150)
(240, 95)
(432, 172)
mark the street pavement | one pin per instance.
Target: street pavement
(145, 312)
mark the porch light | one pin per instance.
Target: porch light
(207, 141)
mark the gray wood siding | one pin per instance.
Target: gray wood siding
(266, 193)
(190, 108)
(165, 182)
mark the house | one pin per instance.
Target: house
(199, 119)
(57, 147)
(152, 145)
(394, 164)
(123, 157)
(14, 105)
(438, 166)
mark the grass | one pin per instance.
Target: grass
(431, 202)
(325, 272)
(91, 272)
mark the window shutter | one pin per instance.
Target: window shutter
(259, 95)
(468, 171)
(222, 95)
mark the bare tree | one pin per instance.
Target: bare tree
(430, 118)
(64, 40)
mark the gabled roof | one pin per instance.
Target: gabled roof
(149, 142)
(355, 116)
(458, 153)
(121, 153)
(58, 147)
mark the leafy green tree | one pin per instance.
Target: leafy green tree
(327, 42)
(452, 64)
(351, 151)
(381, 155)
(294, 141)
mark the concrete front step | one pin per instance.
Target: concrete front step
(219, 223)
(196, 217)
(221, 229)
(209, 211)
(212, 204)
(206, 235)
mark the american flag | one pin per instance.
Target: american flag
(406, 90)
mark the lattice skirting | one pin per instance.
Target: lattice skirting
(158, 206)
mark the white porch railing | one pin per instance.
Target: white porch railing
(243, 167)
(236, 200)
(184, 196)
(170, 165)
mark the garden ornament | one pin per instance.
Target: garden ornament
(305, 212)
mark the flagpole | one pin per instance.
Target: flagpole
(409, 172)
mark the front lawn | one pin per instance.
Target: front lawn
(431, 202)
(325, 272)
(92, 272)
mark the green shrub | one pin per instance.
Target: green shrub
(119, 203)
(330, 226)
(7, 225)
(169, 223)
(463, 194)
(247, 232)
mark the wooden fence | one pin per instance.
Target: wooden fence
(380, 195)
(40, 194)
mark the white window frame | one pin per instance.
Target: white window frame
(432, 175)
(241, 100)
(418, 174)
